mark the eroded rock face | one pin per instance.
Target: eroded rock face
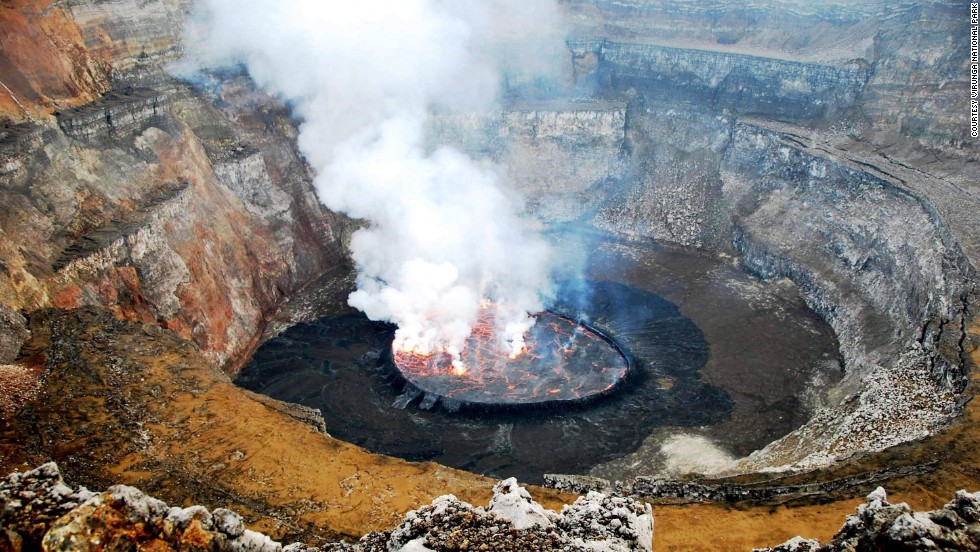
(37, 509)
(879, 525)
(45, 61)
(724, 80)
(821, 144)
(13, 333)
(171, 212)
(128, 189)
(746, 131)
(867, 252)
(900, 50)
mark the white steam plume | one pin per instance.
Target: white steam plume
(445, 232)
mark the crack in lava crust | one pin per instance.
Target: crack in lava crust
(562, 360)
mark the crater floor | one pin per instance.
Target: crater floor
(714, 352)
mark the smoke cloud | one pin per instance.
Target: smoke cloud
(445, 231)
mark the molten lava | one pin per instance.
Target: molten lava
(561, 360)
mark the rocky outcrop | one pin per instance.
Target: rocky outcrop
(13, 334)
(37, 509)
(879, 525)
(113, 114)
(40, 510)
(769, 87)
(513, 521)
(131, 187)
(143, 202)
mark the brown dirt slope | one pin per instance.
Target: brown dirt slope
(134, 404)
(128, 403)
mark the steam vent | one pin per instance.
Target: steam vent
(561, 361)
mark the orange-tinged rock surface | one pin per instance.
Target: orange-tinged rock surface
(159, 218)
(175, 213)
(137, 405)
(44, 62)
(134, 404)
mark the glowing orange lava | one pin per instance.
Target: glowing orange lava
(561, 360)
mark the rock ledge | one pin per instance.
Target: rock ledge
(40, 511)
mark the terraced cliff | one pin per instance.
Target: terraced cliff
(827, 145)
(152, 200)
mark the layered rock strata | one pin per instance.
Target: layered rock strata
(154, 203)
(827, 146)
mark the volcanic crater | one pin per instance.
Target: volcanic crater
(647, 362)
(774, 205)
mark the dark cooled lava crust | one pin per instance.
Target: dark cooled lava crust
(562, 362)
(342, 365)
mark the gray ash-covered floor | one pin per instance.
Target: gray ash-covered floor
(741, 362)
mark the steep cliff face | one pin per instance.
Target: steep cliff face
(802, 161)
(165, 210)
(58, 55)
(918, 85)
(45, 62)
(562, 156)
(867, 252)
(136, 36)
(781, 134)
(150, 200)
(897, 63)
(877, 261)
(861, 199)
(673, 152)
(778, 88)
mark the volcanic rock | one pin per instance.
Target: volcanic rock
(515, 522)
(828, 146)
(39, 509)
(755, 136)
(879, 525)
(13, 333)
(175, 230)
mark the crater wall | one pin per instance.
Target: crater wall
(823, 144)
(796, 154)
(165, 209)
